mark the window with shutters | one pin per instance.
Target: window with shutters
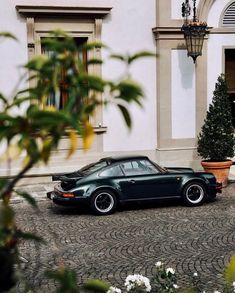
(84, 24)
(229, 16)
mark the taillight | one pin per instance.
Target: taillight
(68, 194)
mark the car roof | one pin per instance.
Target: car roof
(123, 158)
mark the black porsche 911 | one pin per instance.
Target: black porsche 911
(114, 180)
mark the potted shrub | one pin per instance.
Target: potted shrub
(216, 139)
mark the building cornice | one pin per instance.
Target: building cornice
(31, 10)
(167, 33)
(175, 33)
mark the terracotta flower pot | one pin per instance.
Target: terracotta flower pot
(219, 169)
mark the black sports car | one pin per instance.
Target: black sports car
(110, 181)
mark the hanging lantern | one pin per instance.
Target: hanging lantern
(194, 31)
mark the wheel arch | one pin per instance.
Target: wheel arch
(194, 180)
(106, 187)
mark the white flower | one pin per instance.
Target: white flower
(216, 291)
(158, 264)
(233, 284)
(113, 290)
(195, 274)
(170, 270)
(175, 286)
(133, 281)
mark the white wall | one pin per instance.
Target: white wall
(176, 6)
(13, 54)
(216, 45)
(84, 3)
(216, 12)
(183, 95)
(128, 30)
(176, 9)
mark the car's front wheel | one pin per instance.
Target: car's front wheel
(194, 194)
(103, 202)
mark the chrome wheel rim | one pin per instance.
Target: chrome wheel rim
(104, 202)
(194, 193)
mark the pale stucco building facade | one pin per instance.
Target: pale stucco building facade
(177, 92)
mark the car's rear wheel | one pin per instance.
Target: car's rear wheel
(194, 194)
(103, 202)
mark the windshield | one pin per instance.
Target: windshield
(88, 169)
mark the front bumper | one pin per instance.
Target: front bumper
(60, 200)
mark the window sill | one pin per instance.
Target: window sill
(97, 130)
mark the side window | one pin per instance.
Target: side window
(138, 167)
(112, 172)
(149, 167)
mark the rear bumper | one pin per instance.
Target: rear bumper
(57, 199)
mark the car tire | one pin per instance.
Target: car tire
(194, 194)
(103, 202)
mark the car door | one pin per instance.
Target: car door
(148, 185)
(163, 186)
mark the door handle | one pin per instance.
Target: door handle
(132, 181)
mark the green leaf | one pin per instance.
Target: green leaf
(119, 57)
(28, 198)
(126, 115)
(6, 216)
(96, 285)
(130, 91)
(229, 274)
(3, 183)
(18, 101)
(94, 61)
(37, 63)
(94, 82)
(91, 45)
(29, 236)
(2, 98)
(66, 278)
(8, 35)
(46, 149)
(140, 55)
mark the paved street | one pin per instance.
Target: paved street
(198, 239)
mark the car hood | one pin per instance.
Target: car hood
(179, 170)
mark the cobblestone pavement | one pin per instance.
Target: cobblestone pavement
(130, 241)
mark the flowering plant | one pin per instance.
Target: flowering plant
(165, 279)
(114, 290)
(137, 284)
